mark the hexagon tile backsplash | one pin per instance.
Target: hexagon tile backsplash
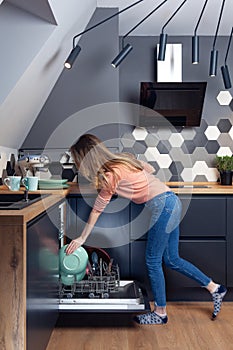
(185, 154)
(177, 154)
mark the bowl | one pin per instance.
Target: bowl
(80, 276)
(67, 280)
(74, 263)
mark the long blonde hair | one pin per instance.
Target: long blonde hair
(93, 159)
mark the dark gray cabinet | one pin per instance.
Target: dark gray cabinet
(206, 240)
(230, 242)
(203, 232)
(42, 277)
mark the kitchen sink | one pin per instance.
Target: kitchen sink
(17, 201)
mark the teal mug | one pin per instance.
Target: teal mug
(30, 183)
(13, 182)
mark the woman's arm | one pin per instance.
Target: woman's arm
(76, 243)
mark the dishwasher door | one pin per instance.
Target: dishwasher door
(127, 297)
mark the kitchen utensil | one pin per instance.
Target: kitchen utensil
(47, 184)
(74, 263)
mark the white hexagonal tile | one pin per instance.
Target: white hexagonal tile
(140, 133)
(187, 174)
(224, 151)
(151, 154)
(224, 98)
(176, 140)
(201, 168)
(164, 160)
(212, 132)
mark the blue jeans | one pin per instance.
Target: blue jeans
(162, 245)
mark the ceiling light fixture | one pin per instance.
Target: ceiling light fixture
(76, 48)
(224, 69)
(125, 50)
(195, 38)
(214, 52)
(163, 37)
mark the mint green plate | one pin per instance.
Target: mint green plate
(74, 263)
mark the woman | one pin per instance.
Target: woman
(123, 174)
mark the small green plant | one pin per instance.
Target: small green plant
(224, 163)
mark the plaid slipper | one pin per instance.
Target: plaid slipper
(217, 300)
(150, 318)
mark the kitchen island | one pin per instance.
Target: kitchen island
(206, 231)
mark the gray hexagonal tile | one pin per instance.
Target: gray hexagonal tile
(176, 169)
(164, 175)
(188, 133)
(164, 133)
(176, 140)
(188, 146)
(201, 153)
(225, 139)
(164, 147)
(200, 139)
(200, 178)
(224, 125)
(55, 168)
(139, 147)
(212, 146)
(151, 140)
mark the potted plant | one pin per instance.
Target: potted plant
(224, 164)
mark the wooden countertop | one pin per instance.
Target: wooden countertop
(28, 213)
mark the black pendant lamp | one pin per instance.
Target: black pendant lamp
(214, 52)
(163, 37)
(224, 69)
(76, 48)
(126, 49)
(195, 38)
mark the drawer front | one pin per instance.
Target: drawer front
(208, 256)
(203, 254)
(203, 216)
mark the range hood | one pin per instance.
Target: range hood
(180, 104)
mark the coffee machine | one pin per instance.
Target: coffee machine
(30, 165)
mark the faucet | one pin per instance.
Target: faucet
(25, 196)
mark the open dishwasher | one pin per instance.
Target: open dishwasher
(101, 289)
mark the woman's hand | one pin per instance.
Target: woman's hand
(74, 244)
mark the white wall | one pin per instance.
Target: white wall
(33, 85)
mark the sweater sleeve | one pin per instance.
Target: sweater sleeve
(105, 195)
(102, 200)
(147, 167)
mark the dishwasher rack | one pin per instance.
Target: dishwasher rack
(94, 286)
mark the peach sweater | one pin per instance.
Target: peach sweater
(139, 186)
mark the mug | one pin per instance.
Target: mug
(30, 183)
(13, 182)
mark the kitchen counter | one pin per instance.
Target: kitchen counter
(177, 187)
(27, 214)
